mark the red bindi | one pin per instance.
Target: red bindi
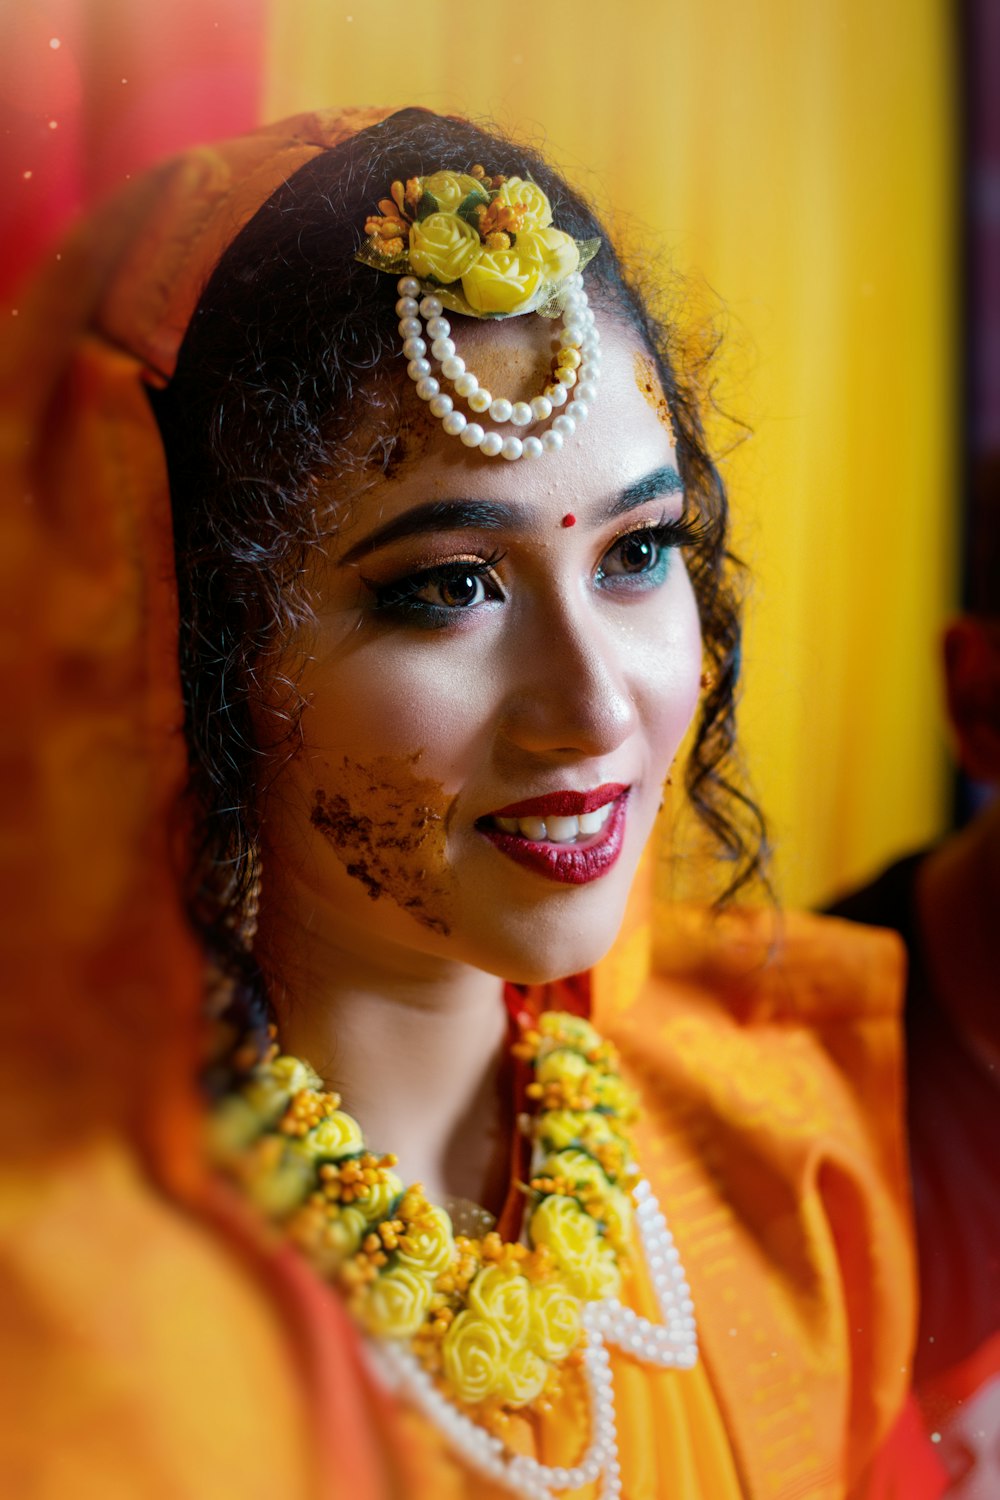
(569, 519)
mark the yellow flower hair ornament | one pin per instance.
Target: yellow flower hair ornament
(486, 247)
(471, 1329)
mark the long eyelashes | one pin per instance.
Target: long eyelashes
(401, 593)
(639, 558)
(680, 531)
(635, 560)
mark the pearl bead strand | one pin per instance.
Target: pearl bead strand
(421, 318)
(673, 1343)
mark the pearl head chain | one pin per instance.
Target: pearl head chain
(672, 1344)
(422, 320)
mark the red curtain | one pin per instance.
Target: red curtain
(92, 91)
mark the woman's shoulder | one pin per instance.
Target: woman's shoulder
(783, 1025)
(768, 966)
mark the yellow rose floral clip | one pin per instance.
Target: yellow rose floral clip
(485, 246)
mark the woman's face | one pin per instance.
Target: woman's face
(505, 659)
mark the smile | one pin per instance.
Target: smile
(570, 837)
(556, 830)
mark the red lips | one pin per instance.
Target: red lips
(567, 864)
(563, 804)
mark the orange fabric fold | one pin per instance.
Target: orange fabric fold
(105, 982)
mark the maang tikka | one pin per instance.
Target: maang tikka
(485, 247)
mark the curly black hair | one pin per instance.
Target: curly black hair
(289, 335)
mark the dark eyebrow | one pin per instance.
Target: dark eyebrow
(653, 486)
(490, 515)
(436, 515)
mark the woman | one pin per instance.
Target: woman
(432, 684)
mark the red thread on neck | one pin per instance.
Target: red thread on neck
(569, 519)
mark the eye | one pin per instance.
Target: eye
(437, 596)
(459, 589)
(638, 552)
(637, 560)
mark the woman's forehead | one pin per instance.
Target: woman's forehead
(625, 437)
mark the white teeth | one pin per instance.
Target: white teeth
(556, 830)
(532, 828)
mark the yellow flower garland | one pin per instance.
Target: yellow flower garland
(492, 1322)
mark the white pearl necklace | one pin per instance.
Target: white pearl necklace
(422, 319)
(670, 1344)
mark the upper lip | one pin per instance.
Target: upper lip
(563, 804)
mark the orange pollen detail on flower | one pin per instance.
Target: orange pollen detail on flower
(388, 236)
(492, 1246)
(481, 175)
(306, 1109)
(306, 1226)
(357, 1274)
(403, 197)
(507, 217)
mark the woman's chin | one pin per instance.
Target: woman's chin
(545, 951)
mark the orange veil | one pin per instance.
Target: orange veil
(773, 1093)
(92, 745)
(103, 980)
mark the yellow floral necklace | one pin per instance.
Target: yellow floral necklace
(473, 1328)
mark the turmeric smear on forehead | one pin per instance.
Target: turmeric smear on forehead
(648, 381)
(388, 827)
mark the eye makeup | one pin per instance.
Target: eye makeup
(461, 584)
(435, 596)
(639, 557)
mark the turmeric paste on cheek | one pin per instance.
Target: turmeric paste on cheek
(388, 827)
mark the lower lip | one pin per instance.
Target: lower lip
(567, 864)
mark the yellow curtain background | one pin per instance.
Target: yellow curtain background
(798, 158)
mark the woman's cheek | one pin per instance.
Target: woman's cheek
(378, 772)
(672, 677)
(402, 699)
(388, 826)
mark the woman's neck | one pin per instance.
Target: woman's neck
(417, 1057)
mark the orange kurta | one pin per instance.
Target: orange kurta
(163, 1345)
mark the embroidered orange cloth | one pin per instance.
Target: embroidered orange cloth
(163, 1345)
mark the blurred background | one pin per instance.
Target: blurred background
(824, 186)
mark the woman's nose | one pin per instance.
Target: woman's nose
(570, 693)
